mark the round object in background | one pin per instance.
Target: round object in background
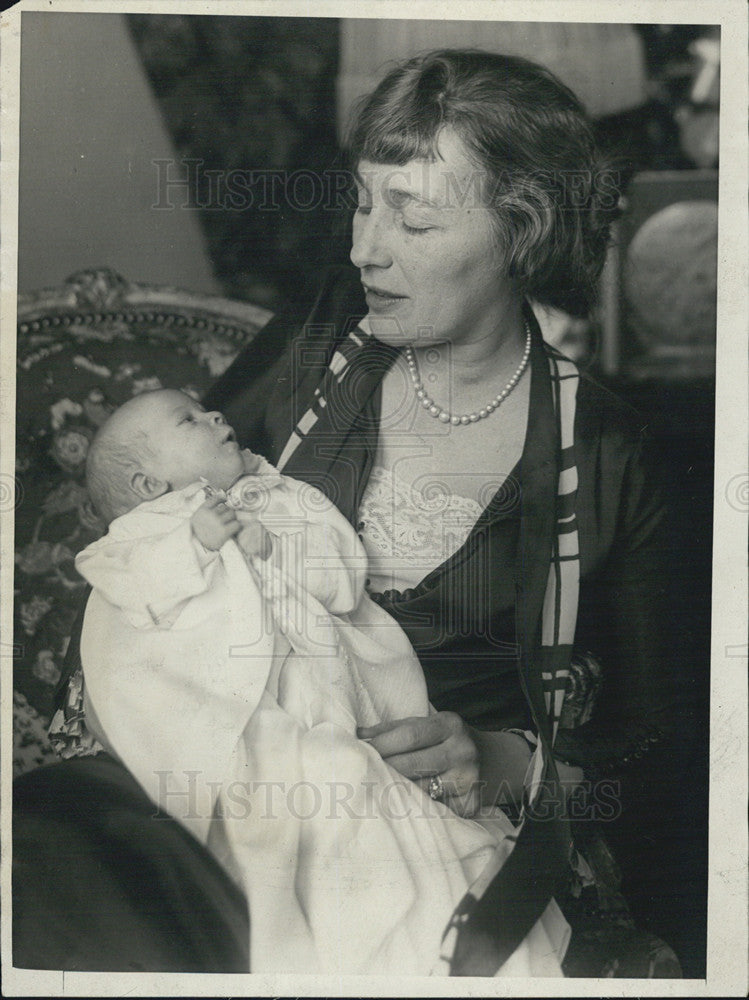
(670, 282)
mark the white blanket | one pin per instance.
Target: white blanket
(232, 692)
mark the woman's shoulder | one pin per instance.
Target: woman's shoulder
(614, 441)
(623, 478)
(600, 413)
(603, 414)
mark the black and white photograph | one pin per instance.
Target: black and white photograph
(374, 490)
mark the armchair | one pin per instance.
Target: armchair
(83, 349)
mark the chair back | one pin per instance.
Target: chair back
(83, 349)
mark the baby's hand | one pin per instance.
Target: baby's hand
(254, 540)
(213, 523)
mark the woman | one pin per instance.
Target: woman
(507, 504)
(470, 457)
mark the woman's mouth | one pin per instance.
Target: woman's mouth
(380, 300)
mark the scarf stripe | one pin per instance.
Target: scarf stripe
(336, 371)
(559, 616)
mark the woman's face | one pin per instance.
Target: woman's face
(424, 243)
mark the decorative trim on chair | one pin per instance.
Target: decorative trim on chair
(106, 292)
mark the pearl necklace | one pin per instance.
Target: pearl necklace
(467, 418)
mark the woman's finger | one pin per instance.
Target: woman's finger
(457, 754)
(422, 764)
(462, 803)
(461, 789)
(367, 732)
(405, 735)
(456, 782)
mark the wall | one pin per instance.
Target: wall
(90, 128)
(251, 99)
(603, 63)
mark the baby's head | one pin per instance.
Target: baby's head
(157, 442)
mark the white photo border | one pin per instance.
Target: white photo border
(728, 896)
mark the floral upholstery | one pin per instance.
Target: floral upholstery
(82, 350)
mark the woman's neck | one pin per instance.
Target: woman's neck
(482, 357)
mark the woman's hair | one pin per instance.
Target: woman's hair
(553, 195)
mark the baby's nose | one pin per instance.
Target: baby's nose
(215, 417)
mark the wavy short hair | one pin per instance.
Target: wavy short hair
(553, 194)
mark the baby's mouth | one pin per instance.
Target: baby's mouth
(230, 437)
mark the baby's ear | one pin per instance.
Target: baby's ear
(147, 487)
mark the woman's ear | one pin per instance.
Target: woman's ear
(147, 487)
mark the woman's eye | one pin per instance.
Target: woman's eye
(415, 230)
(363, 209)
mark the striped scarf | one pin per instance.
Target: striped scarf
(336, 432)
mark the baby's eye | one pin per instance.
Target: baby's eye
(187, 418)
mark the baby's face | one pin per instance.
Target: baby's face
(186, 443)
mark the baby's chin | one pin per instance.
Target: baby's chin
(252, 464)
(241, 462)
(223, 475)
(228, 476)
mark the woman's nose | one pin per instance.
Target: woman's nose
(369, 246)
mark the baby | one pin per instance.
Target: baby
(161, 452)
(230, 652)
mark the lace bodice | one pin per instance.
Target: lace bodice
(408, 533)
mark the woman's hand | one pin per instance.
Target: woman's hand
(438, 745)
(477, 768)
